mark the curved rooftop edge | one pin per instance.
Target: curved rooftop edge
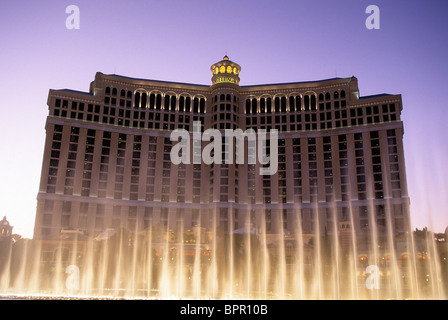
(294, 83)
(341, 80)
(97, 84)
(112, 76)
(74, 91)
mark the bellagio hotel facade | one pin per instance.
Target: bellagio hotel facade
(107, 157)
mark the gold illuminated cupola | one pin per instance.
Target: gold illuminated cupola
(225, 71)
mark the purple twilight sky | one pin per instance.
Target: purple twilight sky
(273, 41)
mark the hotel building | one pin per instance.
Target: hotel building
(107, 157)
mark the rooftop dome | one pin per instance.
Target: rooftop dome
(5, 228)
(225, 71)
(4, 222)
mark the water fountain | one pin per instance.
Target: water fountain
(225, 264)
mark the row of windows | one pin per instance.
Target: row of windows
(97, 216)
(226, 97)
(101, 216)
(143, 99)
(323, 120)
(224, 69)
(310, 152)
(307, 102)
(280, 103)
(128, 118)
(119, 171)
(376, 179)
(185, 104)
(114, 92)
(282, 122)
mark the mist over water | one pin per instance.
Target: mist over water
(245, 263)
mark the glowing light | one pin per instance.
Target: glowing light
(226, 79)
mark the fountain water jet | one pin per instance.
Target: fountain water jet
(230, 263)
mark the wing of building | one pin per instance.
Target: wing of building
(107, 159)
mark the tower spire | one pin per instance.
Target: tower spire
(225, 71)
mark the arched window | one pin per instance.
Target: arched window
(268, 105)
(307, 102)
(143, 102)
(277, 104)
(229, 69)
(313, 102)
(291, 104)
(247, 106)
(222, 97)
(283, 104)
(173, 103)
(298, 103)
(228, 97)
(114, 91)
(181, 103)
(107, 90)
(342, 93)
(262, 105)
(129, 94)
(321, 97)
(122, 93)
(222, 69)
(158, 101)
(167, 102)
(336, 95)
(202, 105)
(254, 105)
(196, 105)
(137, 100)
(152, 100)
(328, 96)
(187, 104)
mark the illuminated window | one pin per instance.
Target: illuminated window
(222, 69)
(143, 100)
(181, 103)
(307, 102)
(137, 100)
(202, 105)
(313, 102)
(229, 69)
(152, 99)
(167, 102)
(235, 71)
(254, 105)
(247, 106)
(187, 104)
(158, 101)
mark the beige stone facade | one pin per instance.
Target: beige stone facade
(107, 157)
